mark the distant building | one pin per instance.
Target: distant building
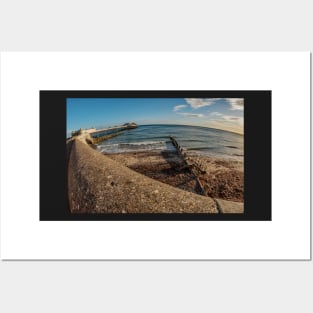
(131, 125)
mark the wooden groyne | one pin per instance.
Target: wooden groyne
(179, 149)
(194, 168)
(223, 206)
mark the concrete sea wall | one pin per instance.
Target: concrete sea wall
(98, 184)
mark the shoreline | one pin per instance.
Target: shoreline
(98, 184)
(222, 178)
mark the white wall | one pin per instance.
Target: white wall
(149, 286)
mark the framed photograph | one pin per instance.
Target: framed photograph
(155, 156)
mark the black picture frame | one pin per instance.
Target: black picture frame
(257, 155)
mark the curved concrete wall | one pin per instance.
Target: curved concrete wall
(98, 184)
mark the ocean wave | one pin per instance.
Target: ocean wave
(142, 143)
(136, 146)
(191, 139)
(200, 148)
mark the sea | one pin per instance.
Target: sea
(194, 139)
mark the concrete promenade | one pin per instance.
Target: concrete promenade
(97, 184)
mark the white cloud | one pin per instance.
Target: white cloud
(231, 118)
(178, 107)
(236, 103)
(216, 114)
(191, 114)
(228, 122)
(228, 118)
(225, 125)
(197, 103)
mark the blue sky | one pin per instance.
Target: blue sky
(221, 113)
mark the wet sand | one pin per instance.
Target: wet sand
(221, 178)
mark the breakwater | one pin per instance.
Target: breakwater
(193, 168)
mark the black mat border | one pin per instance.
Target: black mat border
(257, 149)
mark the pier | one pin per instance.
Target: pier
(94, 136)
(110, 130)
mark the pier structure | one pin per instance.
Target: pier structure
(94, 136)
(110, 130)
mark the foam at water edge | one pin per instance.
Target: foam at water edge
(136, 146)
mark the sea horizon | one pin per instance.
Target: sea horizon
(155, 137)
(68, 132)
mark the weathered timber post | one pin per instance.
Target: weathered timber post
(191, 166)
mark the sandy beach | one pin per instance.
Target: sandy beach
(221, 178)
